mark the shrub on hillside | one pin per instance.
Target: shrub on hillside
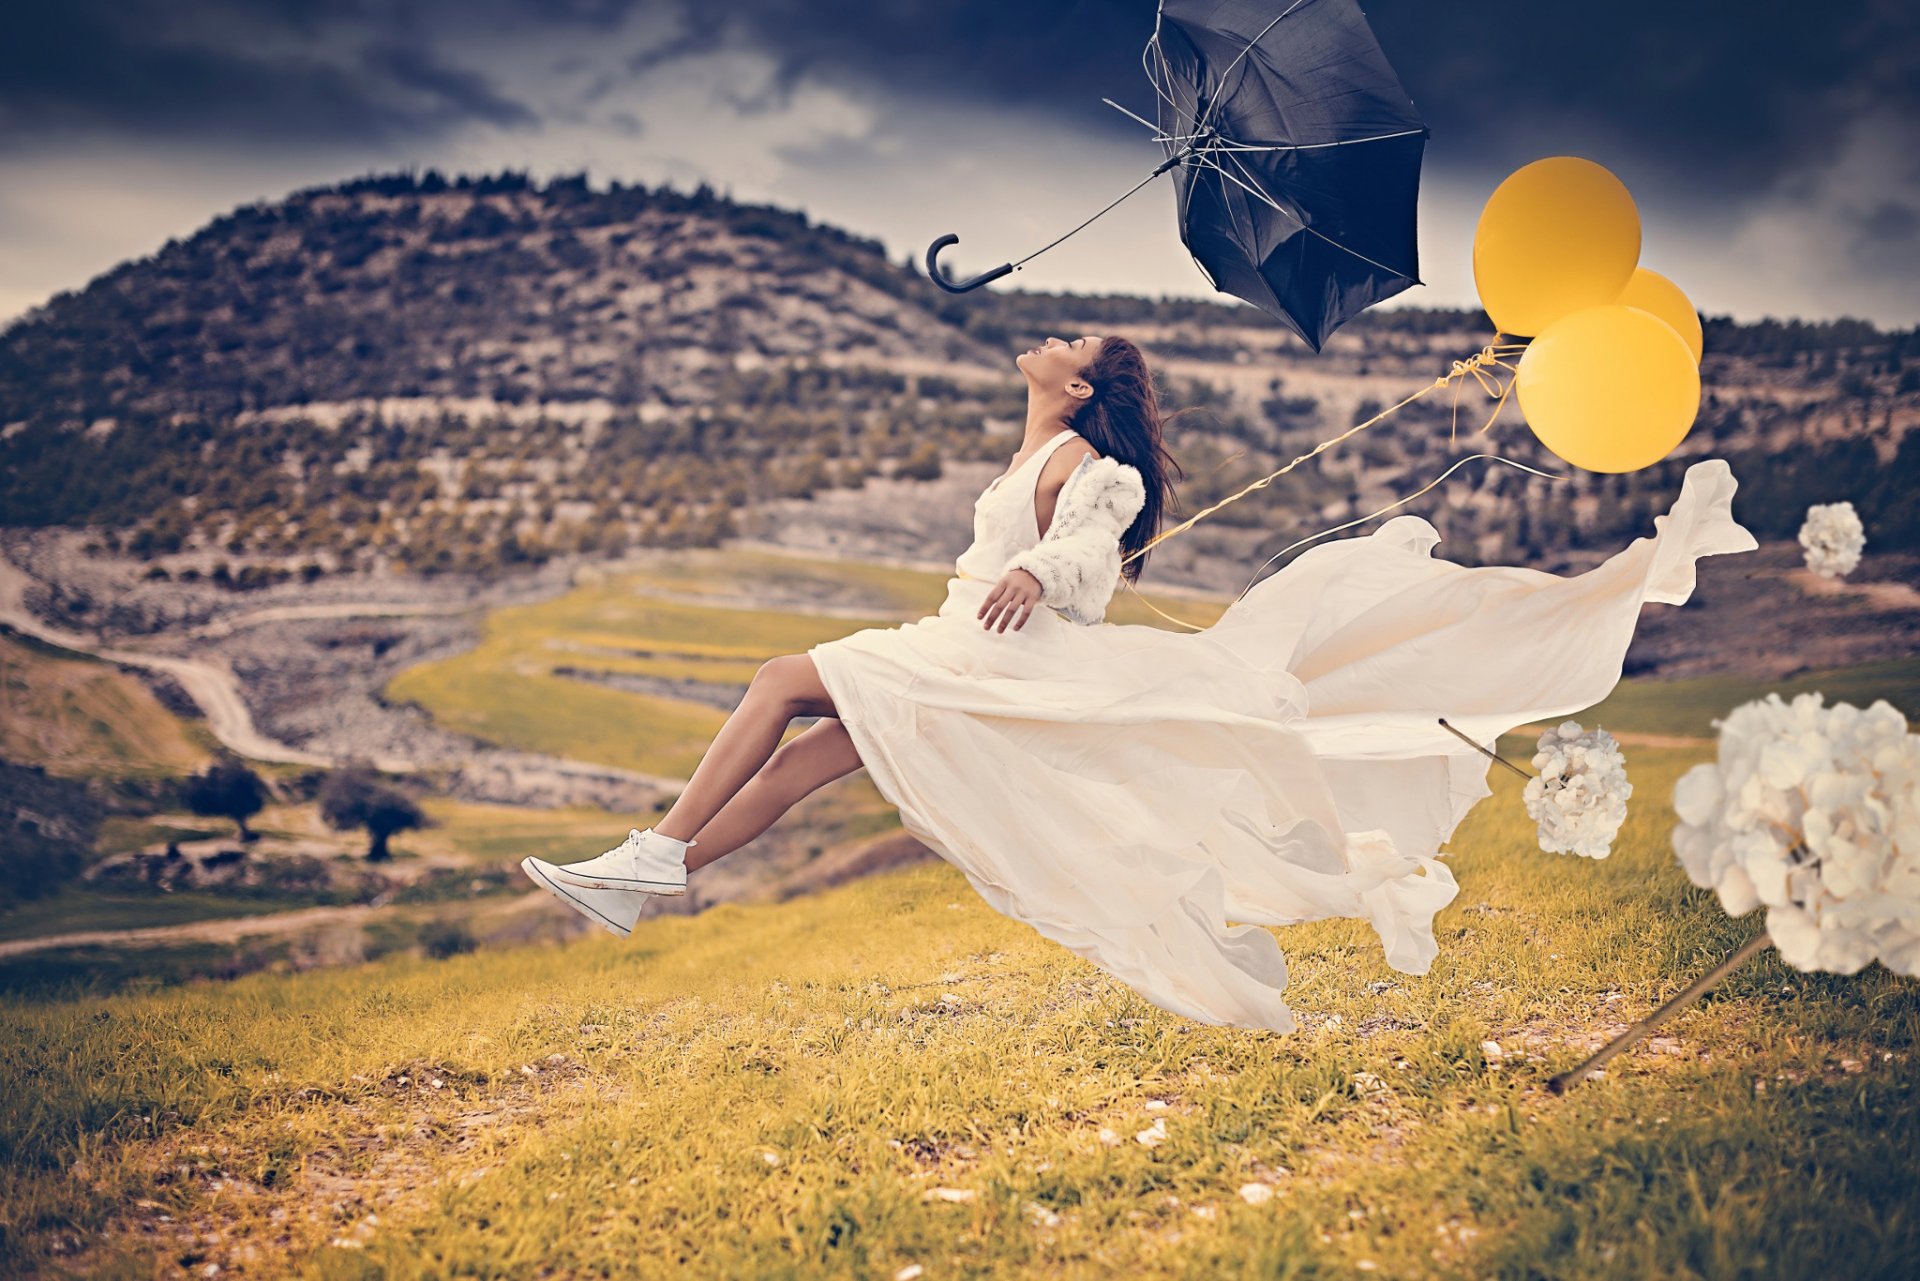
(227, 789)
(355, 798)
(47, 826)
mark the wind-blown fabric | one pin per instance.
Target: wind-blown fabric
(1151, 799)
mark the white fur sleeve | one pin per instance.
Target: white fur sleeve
(1077, 563)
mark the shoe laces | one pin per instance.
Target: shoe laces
(635, 835)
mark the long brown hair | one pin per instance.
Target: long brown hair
(1122, 420)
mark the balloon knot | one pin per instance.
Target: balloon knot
(1465, 368)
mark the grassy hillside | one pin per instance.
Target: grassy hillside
(531, 682)
(1689, 707)
(890, 1074)
(80, 717)
(505, 690)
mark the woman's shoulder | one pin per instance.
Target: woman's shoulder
(1103, 476)
(1077, 462)
(1112, 471)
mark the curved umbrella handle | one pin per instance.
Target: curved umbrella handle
(939, 276)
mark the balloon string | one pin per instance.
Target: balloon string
(1471, 367)
(1156, 609)
(1360, 520)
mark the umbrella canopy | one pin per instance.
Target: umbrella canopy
(1296, 155)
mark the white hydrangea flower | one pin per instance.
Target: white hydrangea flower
(1814, 812)
(1833, 537)
(1579, 799)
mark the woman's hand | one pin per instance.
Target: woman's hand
(1017, 592)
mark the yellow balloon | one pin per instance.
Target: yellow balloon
(1609, 388)
(1559, 234)
(1651, 291)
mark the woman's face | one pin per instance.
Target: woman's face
(1056, 362)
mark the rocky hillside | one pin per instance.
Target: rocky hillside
(423, 375)
(495, 291)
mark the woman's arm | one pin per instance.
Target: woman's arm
(1077, 563)
(1018, 591)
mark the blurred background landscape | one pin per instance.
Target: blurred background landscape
(489, 494)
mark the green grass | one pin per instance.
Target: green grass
(74, 973)
(121, 834)
(736, 571)
(1689, 706)
(776, 1090)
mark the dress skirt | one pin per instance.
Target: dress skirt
(1152, 800)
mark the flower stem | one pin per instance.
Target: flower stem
(1567, 1080)
(1493, 755)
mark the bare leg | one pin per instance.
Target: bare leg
(797, 768)
(783, 688)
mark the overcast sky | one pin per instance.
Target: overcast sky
(1773, 148)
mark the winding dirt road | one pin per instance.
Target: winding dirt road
(210, 683)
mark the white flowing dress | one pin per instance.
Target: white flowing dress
(1130, 791)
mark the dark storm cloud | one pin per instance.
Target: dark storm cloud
(1724, 99)
(1729, 97)
(1717, 100)
(201, 69)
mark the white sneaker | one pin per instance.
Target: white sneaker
(612, 910)
(649, 862)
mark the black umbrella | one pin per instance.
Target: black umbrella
(1296, 156)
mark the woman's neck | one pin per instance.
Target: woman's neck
(1043, 424)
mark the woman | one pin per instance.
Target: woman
(1128, 790)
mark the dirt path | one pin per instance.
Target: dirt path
(212, 685)
(226, 930)
(1884, 595)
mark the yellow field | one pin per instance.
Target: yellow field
(505, 690)
(891, 1074)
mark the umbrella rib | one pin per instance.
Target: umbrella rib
(1215, 166)
(1153, 47)
(1252, 240)
(1313, 146)
(1222, 80)
(1251, 179)
(1123, 111)
(1227, 205)
(1355, 252)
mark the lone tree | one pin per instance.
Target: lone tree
(227, 789)
(354, 797)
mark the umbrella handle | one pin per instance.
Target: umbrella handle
(939, 275)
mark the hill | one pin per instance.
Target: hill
(402, 372)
